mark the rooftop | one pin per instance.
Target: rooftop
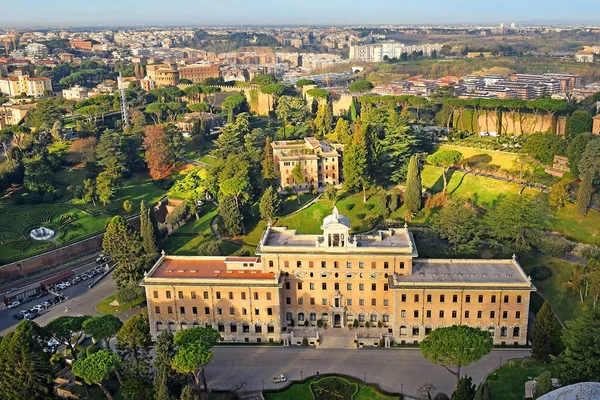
(476, 271)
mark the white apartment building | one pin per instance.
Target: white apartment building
(379, 52)
(76, 93)
(36, 50)
(34, 87)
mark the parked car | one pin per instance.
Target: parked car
(46, 304)
(18, 316)
(30, 316)
(38, 307)
(14, 304)
(41, 294)
(23, 312)
(279, 378)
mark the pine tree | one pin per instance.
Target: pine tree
(356, 163)
(412, 195)
(268, 165)
(545, 334)
(133, 345)
(398, 145)
(584, 194)
(298, 177)
(341, 133)
(484, 392)
(148, 233)
(124, 246)
(269, 205)
(231, 218)
(165, 378)
(323, 120)
(353, 110)
(465, 390)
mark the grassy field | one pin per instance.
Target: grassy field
(503, 159)
(301, 391)
(104, 306)
(581, 229)
(508, 382)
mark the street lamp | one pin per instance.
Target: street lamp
(300, 375)
(365, 378)
(500, 361)
(402, 388)
(263, 385)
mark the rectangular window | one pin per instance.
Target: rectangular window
(206, 310)
(311, 286)
(312, 301)
(479, 314)
(455, 298)
(156, 294)
(168, 294)
(373, 287)
(323, 264)
(221, 327)
(244, 311)
(336, 286)
(506, 298)
(286, 264)
(269, 311)
(467, 298)
(335, 264)
(243, 295)
(181, 310)
(428, 314)
(231, 311)
(205, 295)
(518, 314)
(385, 287)
(299, 264)
(416, 298)
(361, 264)
(454, 314)
(403, 297)
(480, 299)
(441, 313)
(373, 302)
(361, 286)
(268, 295)
(518, 299)
(348, 286)
(300, 301)
(256, 311)
(349, 302)
(258, 329)
(218, 295)
(288, 300)
(386, 265)
(493, 298)
(311, 264)
(348, 264)
(467, 314)
(169, 310)
(193, 295)
(442, 298)
(416, 313)
(180, 294)
(429, 298)
(373, 264)
(288, 286)
(324, 301)
(230, 295)
(324, 286)
(492, 314)
(403, 313)
(157, 309)
(505, 314)
(402, 265)
(385, 302)
(270, 263)
(299, 285)
(361, 302)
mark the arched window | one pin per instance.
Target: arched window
(301, 317)
(313, 317)
(403, 331)
(516, 331)
(288, 316)
(325, 317)
(361, 317)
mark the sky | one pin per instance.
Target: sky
(81, 13)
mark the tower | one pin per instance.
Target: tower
(122, 95)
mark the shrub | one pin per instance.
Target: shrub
(372, 220)
(320, 323)
(304, 341)
(355, 323)
(379, 324)
(437, 200)
(209, 249)
(541, 272)
(554, 245)
(128, 206)
(369, 206)
(349, 206)
(361, 215)
(367, 324)
(91, 349)
(306, 322)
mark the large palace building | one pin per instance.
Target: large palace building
(334, 279)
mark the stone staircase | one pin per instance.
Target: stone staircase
(336, 338)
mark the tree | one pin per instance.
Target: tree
(89, 191)
(210, 249)
(231, 221)
(398, 145)
(230, 139)
(133, 346)
(193, 352)
(158, 156)
(559, 194)
(323, 120)
(269, 205)
(458, 223)
(268, 164)
(63, 329)
(544, 334)
(129, 293)
(544, 384)
(484, 391)
(305, 82)
(263, 79)
(128, 206)
(341, 132)
(25, 371)
(102, 328)
(445, 159)
(97, 368)
(360, 85)
(57, 131)
(356, 163)
(579, 122)
(457, 345)
(331, 194)
(38, 174)
(544, 146)
(291, 111)
(517, 220)
(84, 148)
(165, 378)
(575, 151)
(124, 246)
(45, 112)
(148, 231)
(580, 360)
(425, 391)
(235, 104)
(465, 390)
(236, 187)
(297, 177)
(178, 215)
(584, 194)
(188, 394)
(412, 195)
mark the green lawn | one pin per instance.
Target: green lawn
(503, 159)
(301, 391)
(289, 204)
(104, 306)
(581, 229)
(508, 382)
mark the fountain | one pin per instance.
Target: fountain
(41, 233)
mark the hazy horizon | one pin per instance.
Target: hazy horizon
(137, 13)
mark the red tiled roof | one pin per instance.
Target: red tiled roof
(207, 268)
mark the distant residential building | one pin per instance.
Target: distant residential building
(13, 114)
(76, 93)
(67, 57)
(481, 54)
(147, 84)
(36, 50)
(584, 57)
(197, 73)
(17, 54)
(17, 85)
(84, 45)
(596, 125)
(321, 162)
(162, 75)
(211, 121)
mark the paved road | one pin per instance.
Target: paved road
(81, 301)
(392, 369)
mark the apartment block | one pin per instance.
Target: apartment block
(336, 278)
(199, 72)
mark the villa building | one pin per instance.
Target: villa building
(336, 278)
(321, 162)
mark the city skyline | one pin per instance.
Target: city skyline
(266, 12)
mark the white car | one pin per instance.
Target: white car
(46, 304)
(279, 379)
(14, 304)
(38, 307)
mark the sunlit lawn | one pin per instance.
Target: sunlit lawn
(582, 229)
(503, 159)
(508, 382)
(301, 391)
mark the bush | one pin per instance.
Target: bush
(361, 215)
(379, 324)
(320, 323)
(349, 206)
(367, 324)
(306, 322)
(355, 323)
(304, 341)
(209, 249)
(554, 245)
(437, 200)
(369, 206)
(91, 349)
(541, 272)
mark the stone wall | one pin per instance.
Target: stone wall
(508, 123)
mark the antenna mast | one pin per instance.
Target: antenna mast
(124, 111)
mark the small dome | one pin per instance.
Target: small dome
(335, 218)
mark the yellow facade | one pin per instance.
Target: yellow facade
(338, 279)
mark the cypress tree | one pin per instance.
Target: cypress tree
(543, 385)
(584, 194)
(356, 163)
(269, 205)
(465, 390)
(147, 233)
(231, 218)
(412, 196)
(545, 334)
(268, 165)
(484, 392)
(188, 394)
(165, 378)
